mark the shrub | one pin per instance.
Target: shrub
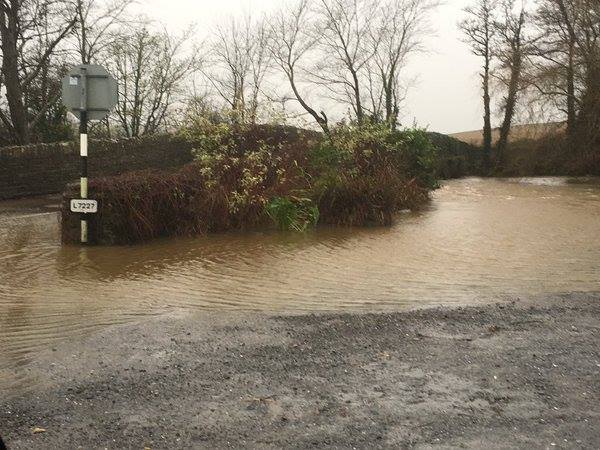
(365, 175)
(293, 214)
(245, 177)
(409, 152)
(368, 199)
(140, 206)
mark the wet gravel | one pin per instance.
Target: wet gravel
(522, 374)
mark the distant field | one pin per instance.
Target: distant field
(532, 131)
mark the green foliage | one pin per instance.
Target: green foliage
(244, 177)
(363, 175)
(327, 155)
(423, 155)
(209, 138)
(293, 214)
(369, 147)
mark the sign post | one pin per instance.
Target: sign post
(83, 151)
(90, 93)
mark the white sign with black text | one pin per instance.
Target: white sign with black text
(84, 206)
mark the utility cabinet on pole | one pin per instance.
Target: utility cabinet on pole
(90, 93)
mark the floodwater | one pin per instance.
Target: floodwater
(480, 239)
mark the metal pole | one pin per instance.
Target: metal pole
(83, 150)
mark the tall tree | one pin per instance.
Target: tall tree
(395, 33)
(511, 48)
(292, 43)
(344, 40)
(479, 31)
(554, 58)
(588, 39)
(151, 68)
(564, 61)
(97, 22)
(30, 33)
(241, 62)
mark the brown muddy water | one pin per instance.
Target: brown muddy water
(478, 241)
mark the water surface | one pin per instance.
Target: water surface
(477, 241)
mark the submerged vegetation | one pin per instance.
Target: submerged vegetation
(293, 213)
(251, 176)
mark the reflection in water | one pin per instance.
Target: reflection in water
(479, 239)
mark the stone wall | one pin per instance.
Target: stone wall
(47, 168)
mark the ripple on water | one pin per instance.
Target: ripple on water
(479, 239)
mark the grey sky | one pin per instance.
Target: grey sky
(445, 95)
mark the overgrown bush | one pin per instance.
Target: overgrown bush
(248, 177)
(366, 149)
(364, 175)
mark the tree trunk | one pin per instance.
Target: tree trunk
(10, 71)
(85, 58)
(392, 110)
(487, 119)
(360, 117)
(321, 119)
(509, 111)
(588, 121)
(570, 72)
(389, 102)
(571, 111)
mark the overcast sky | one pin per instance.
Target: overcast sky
(445, 96)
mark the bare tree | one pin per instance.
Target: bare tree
(344, 27)
(588, 41)
(562, 64)
(395, 34)
(242, 60)
(511, 50)
(554, 60)
(479, 31)
(361, 47)
(292, 43)
(96, 23)
(260, 66)
(30, 31)
(151, 68)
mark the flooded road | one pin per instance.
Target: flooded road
(477, 241)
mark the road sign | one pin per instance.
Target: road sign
(89, 92)
(84, 206)
(89, 87)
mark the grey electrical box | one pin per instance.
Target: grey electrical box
(91, 88)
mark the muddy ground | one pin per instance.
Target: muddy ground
(511, 375)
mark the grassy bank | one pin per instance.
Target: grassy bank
(550, 155)
(260, 176)
(533, 150)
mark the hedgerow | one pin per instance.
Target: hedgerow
(255, 176)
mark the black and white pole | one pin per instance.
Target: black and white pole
(83, 151)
